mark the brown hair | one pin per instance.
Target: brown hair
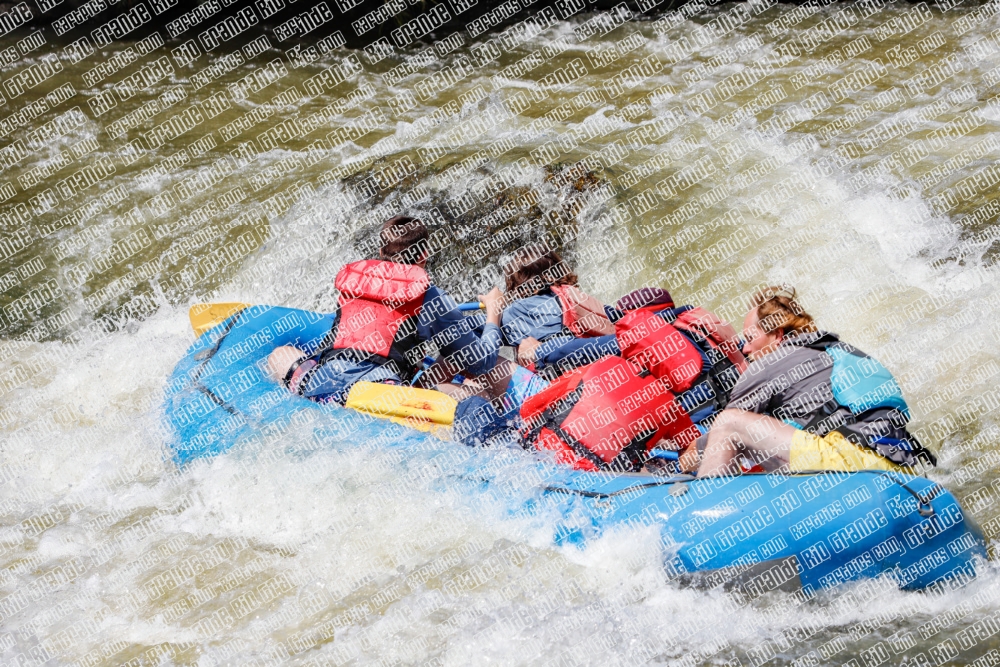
(777, 310)
(533, 268)
(404, 240)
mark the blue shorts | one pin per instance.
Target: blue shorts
(332, 381)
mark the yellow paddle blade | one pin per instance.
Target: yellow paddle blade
(409, 403)
(204, 316)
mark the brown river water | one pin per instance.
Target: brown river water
(849, 150)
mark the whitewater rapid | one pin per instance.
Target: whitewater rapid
(337, 540)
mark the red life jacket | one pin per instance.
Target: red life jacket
(659, 347)
(583, 314)
(719, 334)
(652, 343)
(604, 416)
(379, 303)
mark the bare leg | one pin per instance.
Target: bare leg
(736, 431)
(281, 359)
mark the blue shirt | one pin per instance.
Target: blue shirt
(575, 353)
(537, 317)
(541, 317)
(438, 321)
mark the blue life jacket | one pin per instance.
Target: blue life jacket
(867, 389)
(860, 382)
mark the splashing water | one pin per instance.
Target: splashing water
(339, 540)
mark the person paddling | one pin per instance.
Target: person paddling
(808, 401)
(679, 365)
(549, 318)
(386, 309)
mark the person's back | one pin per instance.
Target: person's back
(378, 310)
(547, 315)
(387, 309)
(693, 359)
(697, 351)
(801, 385)
(604, 416)
(538, 316)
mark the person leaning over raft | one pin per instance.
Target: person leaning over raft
(809, 401)
(386, 309)
(678, 367)
(711, 344)
(691, 350)
(547, 313)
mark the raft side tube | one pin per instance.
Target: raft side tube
(755, 533)
(220, 390)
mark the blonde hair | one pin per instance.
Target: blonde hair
(777, 310)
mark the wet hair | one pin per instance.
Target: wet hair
(777, 310)
(404, 240)
(533, 268)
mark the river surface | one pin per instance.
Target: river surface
(852, 169)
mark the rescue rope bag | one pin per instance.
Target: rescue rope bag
(604, 416)
(378, 306)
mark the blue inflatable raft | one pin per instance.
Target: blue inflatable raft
(753, 533)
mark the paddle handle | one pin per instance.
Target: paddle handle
(472, 305)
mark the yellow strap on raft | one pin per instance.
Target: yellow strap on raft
(417, 408)
(204, 316)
